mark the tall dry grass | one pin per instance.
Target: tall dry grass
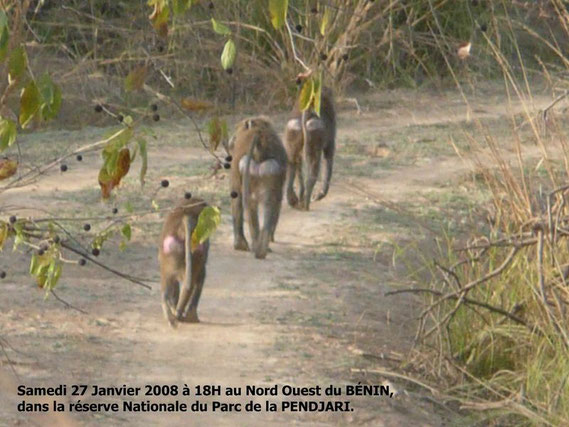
(497, 302)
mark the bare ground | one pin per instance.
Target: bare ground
(310, 314)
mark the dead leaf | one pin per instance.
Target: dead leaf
(191, 104)
(8, 168)
(380, 150)
(464, 50)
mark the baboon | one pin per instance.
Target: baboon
(181, 267)
(258, 172)
(307, 138)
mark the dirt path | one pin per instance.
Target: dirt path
(305, 316)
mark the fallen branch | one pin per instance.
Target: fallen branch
(466, 300)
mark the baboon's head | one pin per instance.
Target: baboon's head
(247, 128)
(258, 123)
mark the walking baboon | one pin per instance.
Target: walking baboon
(181, 267)
(307, 138)
(258, 172)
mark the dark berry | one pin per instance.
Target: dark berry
(228, 158)
(187, 195)
(41, 252)
(82, 261)
(44, 247)
(63, 168)
(314, 10)
(154, 107)
(13, 219)
(298, 81)
(2, 274)
(298, 28)
(79, 157)
(323, 56)
(210, 5)
(115, 211)
(56, 239)
(227, 165)
(234, 194)
(156, 117)
(87, 227)
(95, 252)
(120, 118)
(98, 108)
(345, 56)
(160, 48)
(483, 28)
(165, 183)
(229, 71)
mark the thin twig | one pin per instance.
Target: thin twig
(104, 267)
(66, 304)
(467, 301)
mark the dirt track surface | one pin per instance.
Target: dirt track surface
(310, 314)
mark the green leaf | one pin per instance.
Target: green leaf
(101, 238)
(180, 6)
(208, 221)
(228, 54)
(306, 94)
(17, 63)
(224, 131)
(155, 205)
(4, 233)
(117, 140)
(7, 133)
(317, 94)
(51, 97)
(215, 133)
(34, 264)
(3, 20)
(278, 10)
(220, 28)
(135, 79)
(126, 231)
(19, 235)
(110, 163)
(325, 20)
(159, 18)
(53, 274)
(29, 103)
(144, 156)
(4, 35)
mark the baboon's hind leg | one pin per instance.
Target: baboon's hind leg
(301, 189)
(276, 216)
(313, 163)
(191, 314)
(291, 196)
(239, 241)
(328, 166)
(253, 213)
(170, 295)
(271, 211)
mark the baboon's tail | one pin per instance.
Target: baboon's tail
(187, 290)
(247, 175)
(303, 121)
